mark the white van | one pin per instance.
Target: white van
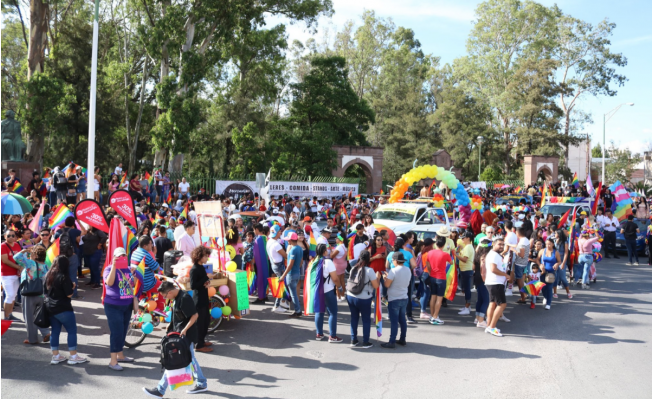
(559, 209)
(403, 217)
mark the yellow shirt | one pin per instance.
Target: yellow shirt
(469, 253)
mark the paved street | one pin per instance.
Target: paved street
(596, 345)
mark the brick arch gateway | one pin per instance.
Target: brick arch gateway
(370, 160)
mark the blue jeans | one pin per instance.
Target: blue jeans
(408, 309)
(360, 308)
(582, 268)
(331, 305)
(67, 320)
(74, 264)
(467, 283)
(396, 310)
(561, 277)
(631, 250)
(424, 297)
(291, 282)
(93, 263)
(482, 303)
(547, 290)
(118, 317)
(200, 380)
(278, 269)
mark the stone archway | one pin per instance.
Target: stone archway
(370, 160)
(534, 164)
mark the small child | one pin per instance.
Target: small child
(534, 275)
(248, 248)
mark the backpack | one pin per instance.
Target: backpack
(65, 243)
(356, 282)
(60, 178)
(175, 352)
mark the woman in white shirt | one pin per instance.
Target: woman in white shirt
(369, 228)
(331, 294)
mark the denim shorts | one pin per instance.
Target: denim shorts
(437, 287)
(518, 271)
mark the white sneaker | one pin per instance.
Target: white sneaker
(544, 301)
(636, 264)
(464, 311)
(58, 359)
(482, 324)
(547, 307)
(628, 264)
(508, 292)
(284, 305)
(76, 359)
(475, 321)
(505, 319)
(278, 310)
(585, 286)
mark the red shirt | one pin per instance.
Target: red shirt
(9, 251)
(378, 265)
(438, 260)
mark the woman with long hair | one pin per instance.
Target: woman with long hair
(550, 259)
(642, 208)
(479, 273)
(26, 241)
(360, 304)
(325, 287)
(135, 188)
(33, 267)
(561, 245)
(59, 289)
(338, 255)
(301, 241)
(96, 183)
(114, 184)
(369, 228)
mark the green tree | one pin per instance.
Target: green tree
(596, 151)
(491, 174)
(621, 164)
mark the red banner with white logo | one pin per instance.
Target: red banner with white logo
(91, 213)
(123, 204)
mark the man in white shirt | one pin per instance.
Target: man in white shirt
(495, 283)
(277, 256)
(185, 242)
(275, 217)
(610, 225)
(118, 170)
(184, 188)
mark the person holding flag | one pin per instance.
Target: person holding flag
(119, 300)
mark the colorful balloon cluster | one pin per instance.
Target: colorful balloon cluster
(476, 202)
(434, 172)
(438, 200)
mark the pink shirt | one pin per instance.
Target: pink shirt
(586, 245)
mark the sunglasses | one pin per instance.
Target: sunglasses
(44, 234)
(11, 235)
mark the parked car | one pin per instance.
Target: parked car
(516, 199)
(641, 248)
(403, 217)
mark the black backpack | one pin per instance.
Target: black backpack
(175, 352)
(356, 282)
(65, 243)
(60, 179)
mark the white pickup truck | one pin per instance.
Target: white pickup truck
(403, 217)
(560, 208)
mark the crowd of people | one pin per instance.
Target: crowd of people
(310, 243)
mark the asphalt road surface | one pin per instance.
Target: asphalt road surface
(596, 345)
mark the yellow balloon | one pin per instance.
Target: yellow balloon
(230, 250)
(231, 266)
(433, 171)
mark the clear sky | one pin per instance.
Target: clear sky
(442, 27)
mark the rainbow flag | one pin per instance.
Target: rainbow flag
(123, 180)
(622, 205)
(169, 199)
(139, 272)
(59, 216)
(277, 287)
(149, 178)
(17, 188)
(533, 288)
(184, 213)
(251, 279)
(52, 252)
(451, 282)
(382, 192)
(149, 201)
(576, 181)
(313, 245)
(42, 189)
(313, 288)
(594, 208)
(563, 219)
(47, 173)
(37, 222)
(543, 194)
(378, 313)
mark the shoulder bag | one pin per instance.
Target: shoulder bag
(32, 287)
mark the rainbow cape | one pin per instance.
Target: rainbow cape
(52, 252)
(451, 281)
(576, 181)
(313, 245)
(251, 279)
(59, 216)
(533, 288)
(622, 205)
(276, 287)
(378, 313)
(313, 289)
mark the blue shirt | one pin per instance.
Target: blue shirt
(151, 267)
(296, 254)
(406, 254)
(73, 233)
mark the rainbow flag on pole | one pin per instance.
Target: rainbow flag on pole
(313, 288)
(576, 181)
(596, 201)
(139, 272)
(17, 188)
(52, 252)
(533, 288)
(451, 282)
(378, 313)
(184, 213)
(59, 216)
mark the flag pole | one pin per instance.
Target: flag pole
(90, 171)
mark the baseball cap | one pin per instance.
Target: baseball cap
(292, 237)
(165, 205)
(119, 252)
(275, 229)
(583, 213)
(307, 219)
(327, 230)
(275, 211)
(398, 257)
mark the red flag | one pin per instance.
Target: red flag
(594, 210)
(563, 219)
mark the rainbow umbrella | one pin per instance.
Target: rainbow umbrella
(15, 204)
(392, 235)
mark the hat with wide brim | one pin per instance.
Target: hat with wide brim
(443, 231)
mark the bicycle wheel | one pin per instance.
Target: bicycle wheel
(216, 301)
(135, 336)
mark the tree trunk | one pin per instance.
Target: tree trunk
(134, 147)
(506, 166)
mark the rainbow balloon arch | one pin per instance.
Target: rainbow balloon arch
(434, 172)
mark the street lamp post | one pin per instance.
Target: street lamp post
(606, 118)
(480, 140)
